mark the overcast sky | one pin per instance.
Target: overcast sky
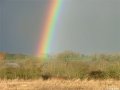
(86, 26)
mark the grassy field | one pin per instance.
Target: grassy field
(67, 65)
(64, 71)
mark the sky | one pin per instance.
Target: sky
(85, 26)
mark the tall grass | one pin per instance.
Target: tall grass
(66, 65)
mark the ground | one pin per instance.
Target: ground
(59, 84)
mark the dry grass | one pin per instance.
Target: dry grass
(67, 71)
(59, 84)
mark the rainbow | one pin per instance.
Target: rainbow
(49, 27)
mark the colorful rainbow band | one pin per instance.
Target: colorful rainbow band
(49, 28)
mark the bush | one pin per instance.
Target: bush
(46, 76)
(68, 55)
(97, 75)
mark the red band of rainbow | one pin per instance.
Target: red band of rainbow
(49, 27)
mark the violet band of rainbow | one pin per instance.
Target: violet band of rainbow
(49, 27)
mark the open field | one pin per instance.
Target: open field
(56, 84)
(65, 71)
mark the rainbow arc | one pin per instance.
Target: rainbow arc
(49, 27)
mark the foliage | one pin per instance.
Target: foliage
(67, 65)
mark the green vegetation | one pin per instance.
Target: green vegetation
(66, 65)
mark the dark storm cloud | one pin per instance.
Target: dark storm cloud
(21, 23)
(90, 26)
(86, 26)
(0, 25)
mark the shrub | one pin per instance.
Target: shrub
(97, 74)
(46, 76)
(2, 55)
(68, 55)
